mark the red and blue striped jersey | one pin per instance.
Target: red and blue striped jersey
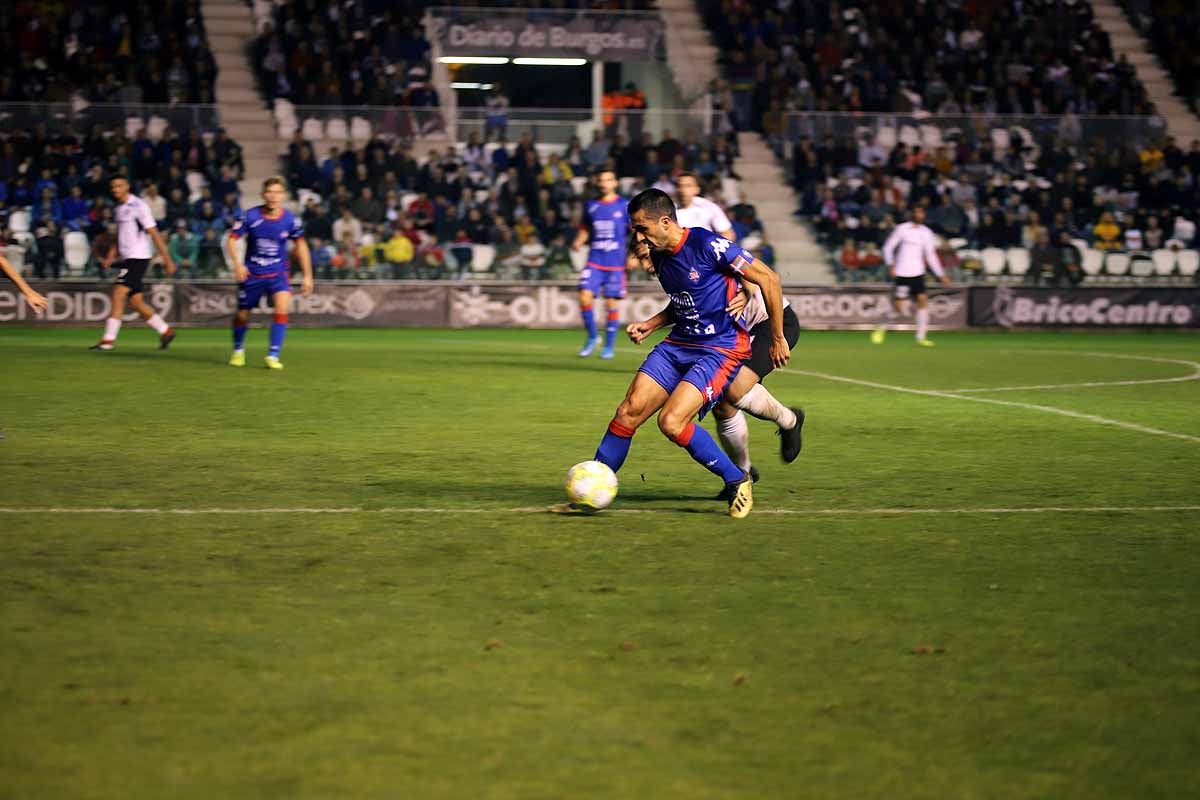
(267, 238)
(608, 223)
(701, 276)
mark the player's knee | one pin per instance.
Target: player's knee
(671, 423)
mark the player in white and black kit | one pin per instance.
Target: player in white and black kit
(907, 252)
(136, 228)
(746, 392)
(694, 211)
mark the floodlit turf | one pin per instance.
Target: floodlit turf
(436, 641)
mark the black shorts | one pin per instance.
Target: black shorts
(760, 348)
(130, 273)
(908, 287)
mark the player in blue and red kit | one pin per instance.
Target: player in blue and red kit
(267, 229)
(606, 225)
(686, 373)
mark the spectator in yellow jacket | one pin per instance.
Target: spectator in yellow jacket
(398, 252)
(1106, 235)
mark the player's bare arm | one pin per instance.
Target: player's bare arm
(772, 291)
(239, 269)
(302, 251)
(161, 247)
(34, 299)
(638, 331)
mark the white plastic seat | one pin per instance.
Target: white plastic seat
(195, 182)
(931, 136)
(1000, 140)
(76, 251)
(1018, 261)
(909, 136)
(1141, 265)
(18, 221)
(626, 185)
(312, 129)
(15, 255)
(1188, 261)
(1164, 262)
(156, 127)
(482, 258)
(337, 130)
(957, 243)
(360, 129)
(132, 126)
(885, 137)
(579, 184)
(1116, 264)
(993, 261)
(1093, 261)
(304, 195)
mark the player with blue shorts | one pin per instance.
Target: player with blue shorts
(606, 225)
(686, 373)
(267, 230)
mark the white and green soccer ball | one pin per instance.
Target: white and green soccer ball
(591, 484)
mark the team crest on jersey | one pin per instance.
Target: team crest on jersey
(694, 275)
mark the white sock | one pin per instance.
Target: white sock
(922, 322)
(112, 326)
(157, 323)
(735, 439)
(762, 404)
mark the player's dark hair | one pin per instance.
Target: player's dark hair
(654, 202)
(692, 175)
(118, 176)
(596, 173)
(275, 180)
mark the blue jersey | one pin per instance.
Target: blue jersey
(608, 222)
(266, 239)
(701, 277)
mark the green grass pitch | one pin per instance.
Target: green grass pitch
(961, 589)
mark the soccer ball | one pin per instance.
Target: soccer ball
(591, 484)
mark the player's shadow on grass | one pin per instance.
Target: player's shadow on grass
(155, 355)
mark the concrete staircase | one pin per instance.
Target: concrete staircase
(691, 54)
(1181, 122)
(798, 257)
(243, 112)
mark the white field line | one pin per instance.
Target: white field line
(1195, 373)
(800, 512)
(1115, 423)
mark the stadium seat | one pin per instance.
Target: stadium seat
(957, 243)
(626, 185)
(407, 199)
(1188, 261)
(304, 195)
(76, 251)
(18, 221)
(1018, 261)
(156, 127)
(195, 182)
(579, 184)
(1140, 265)
(15, 255)
(1093, 261)
(931, 136)
(312, 129)
(886, 137)
(993, 261)
(132, 126)
(360, 130)
(482, 258)
(1116, 265)
(1164, 262)
(909, 136)
(731, 190)
(1000, 140)
(337, 130)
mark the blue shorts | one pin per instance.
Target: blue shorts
(710, 371)
(254, 289)
(610, 282)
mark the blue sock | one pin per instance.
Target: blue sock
(278, 331)
(704, 449)
(614, 447)
(239, 337)
(610, 330)
(589, 322)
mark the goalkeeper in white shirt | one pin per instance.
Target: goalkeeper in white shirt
(907, 252)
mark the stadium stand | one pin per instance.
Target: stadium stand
(1172, 27)
(105, 51)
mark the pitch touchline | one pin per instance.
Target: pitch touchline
(541, 509)
(1195, 374)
